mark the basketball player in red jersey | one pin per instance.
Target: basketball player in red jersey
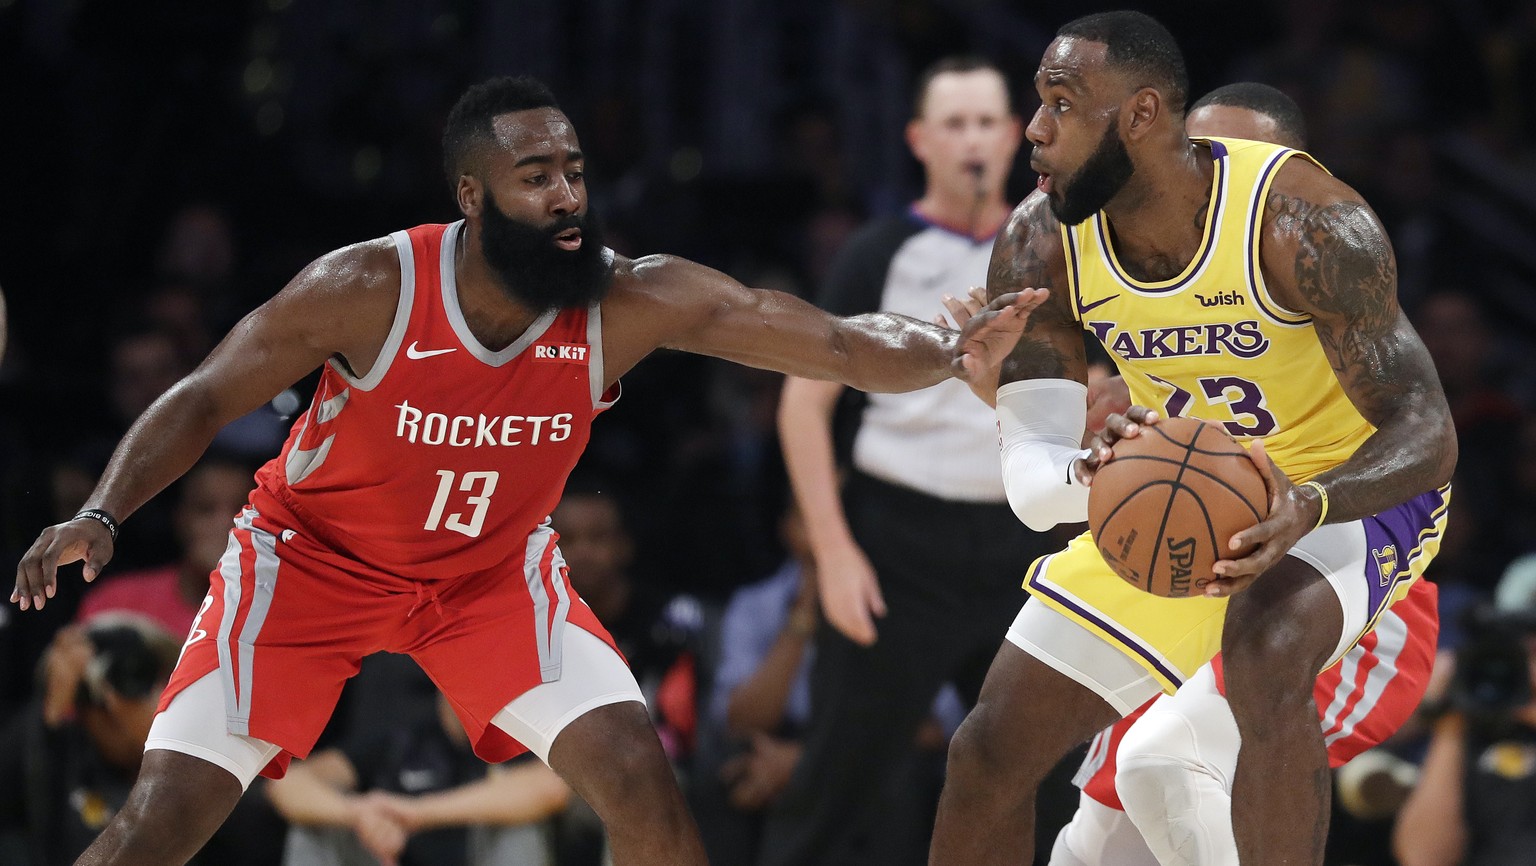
(1172, 773)
(1150, 240)
(462, 367)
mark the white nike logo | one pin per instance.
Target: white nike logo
(414, 353)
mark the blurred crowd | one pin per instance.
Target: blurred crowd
(170, 165)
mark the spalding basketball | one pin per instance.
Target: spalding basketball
(1164, 508)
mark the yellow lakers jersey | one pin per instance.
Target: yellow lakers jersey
(1211, 343)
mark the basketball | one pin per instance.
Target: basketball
(1164, 507)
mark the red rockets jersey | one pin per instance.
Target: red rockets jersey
(442, 459)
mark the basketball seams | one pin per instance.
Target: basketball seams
(1203, 473)
(1202, 469)
(1173, 497)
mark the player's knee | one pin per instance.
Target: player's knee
(1278, 657)
(1279, 639)
(628, 755)
(980, 750)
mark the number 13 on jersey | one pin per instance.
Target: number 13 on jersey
(479, 486)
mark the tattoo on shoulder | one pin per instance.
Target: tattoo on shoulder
(1018, 261)
(1343, 264)
(1344, 271)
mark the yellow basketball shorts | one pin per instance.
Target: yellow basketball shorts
(1370, 563)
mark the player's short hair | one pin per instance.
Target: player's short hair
(470, 123)
(1140, 44)
(1268, 101)
(958, 63)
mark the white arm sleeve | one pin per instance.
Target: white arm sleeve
(1041, 423)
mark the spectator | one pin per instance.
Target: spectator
(655, 630)
(1476, 793)
(413, 795)
(73, 753)
(760, 707)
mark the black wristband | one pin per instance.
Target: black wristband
(101, 517)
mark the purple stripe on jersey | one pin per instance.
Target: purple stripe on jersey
(1255, 212)
(1212, 225)
(1119, 636)
(1075, 279)
(1218, 150)
(1395, 537)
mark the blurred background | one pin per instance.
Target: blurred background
(168, 166)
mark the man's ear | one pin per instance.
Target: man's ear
(915, 140)
(1145, 109)
(470, 194)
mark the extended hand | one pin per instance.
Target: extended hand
(1291, 515)
(850, 592)
(989, 336)
(61, 544)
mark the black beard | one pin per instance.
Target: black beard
(1092, 186)
(535, 272)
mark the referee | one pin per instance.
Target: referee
(920, 560)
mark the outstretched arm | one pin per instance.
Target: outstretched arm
(341, 304)
(1325, 254)
(673, 303)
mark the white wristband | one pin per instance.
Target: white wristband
(1041, 423)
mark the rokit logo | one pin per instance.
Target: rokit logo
(565, 353)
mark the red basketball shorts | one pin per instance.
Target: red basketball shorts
(287, 621)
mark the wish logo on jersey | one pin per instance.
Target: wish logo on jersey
(463, 431)
(1220, 299)
(1240, 339)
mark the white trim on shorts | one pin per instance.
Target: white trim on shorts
(1082, 656)
(592, 676)
(195, 724)
(1337, 551)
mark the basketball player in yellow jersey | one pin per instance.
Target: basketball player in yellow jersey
(1232, 281)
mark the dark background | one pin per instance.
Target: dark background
(169, 165)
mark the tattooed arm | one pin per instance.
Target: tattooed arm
(1028, 254)
(1324, 253)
